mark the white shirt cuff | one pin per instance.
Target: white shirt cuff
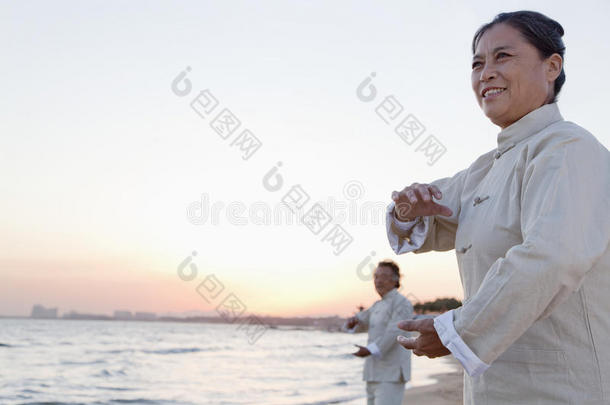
(452, 341)
(374, 349)
(398, 230)
(402, 225)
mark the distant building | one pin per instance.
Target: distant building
(40, 312)
(123, 315)
(81, 316)
(146, 316)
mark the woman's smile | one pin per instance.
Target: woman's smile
(493, 94)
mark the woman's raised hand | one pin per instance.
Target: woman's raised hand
(417, 200)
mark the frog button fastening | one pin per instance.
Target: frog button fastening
(464, 249)
(498, 153)
(479, 200)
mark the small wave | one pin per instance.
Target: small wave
(115, 388)
(168, 351)
(48, 403)
(30, 391)
(136, 401)
(108, 373)
(174, 351)
(341, 383)
(117, 351)
(339, 400)
(112, 401)
(103, 373)
(80, 363)
(5, 345)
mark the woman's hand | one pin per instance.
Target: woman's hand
(416, 200)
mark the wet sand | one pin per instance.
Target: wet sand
(447, 391)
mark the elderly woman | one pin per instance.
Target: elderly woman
(530, 222)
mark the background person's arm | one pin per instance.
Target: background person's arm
(363, 320)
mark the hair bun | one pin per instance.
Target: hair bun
(557, 27)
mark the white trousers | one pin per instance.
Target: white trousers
(385, 392)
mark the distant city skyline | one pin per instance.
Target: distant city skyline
(41, 311)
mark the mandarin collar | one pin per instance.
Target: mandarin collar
(389, 294)
(528, 125)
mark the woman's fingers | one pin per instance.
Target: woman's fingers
(417, 192)
(410, 193)
(419, 201)
(437, 192)
(424, 192)
(428, 190)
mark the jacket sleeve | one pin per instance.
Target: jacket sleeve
(363, 320)
(435, 232)
(565, 201)
(402, 310)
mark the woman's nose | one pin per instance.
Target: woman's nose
(487, 73)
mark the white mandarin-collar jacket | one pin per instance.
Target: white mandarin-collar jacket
(531, 232)
(389, 360)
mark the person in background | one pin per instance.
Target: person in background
(387, 366)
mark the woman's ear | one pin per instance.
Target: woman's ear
(554, 65)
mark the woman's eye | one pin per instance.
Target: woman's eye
(475, 64)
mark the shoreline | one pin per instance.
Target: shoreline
(446, 391)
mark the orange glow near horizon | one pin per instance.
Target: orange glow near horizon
(90, 288)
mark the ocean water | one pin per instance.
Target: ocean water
(112, 362)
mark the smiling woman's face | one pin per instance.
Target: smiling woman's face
(504, 59)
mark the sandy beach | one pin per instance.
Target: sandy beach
(447, 391)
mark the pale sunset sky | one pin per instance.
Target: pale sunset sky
(100, 160)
